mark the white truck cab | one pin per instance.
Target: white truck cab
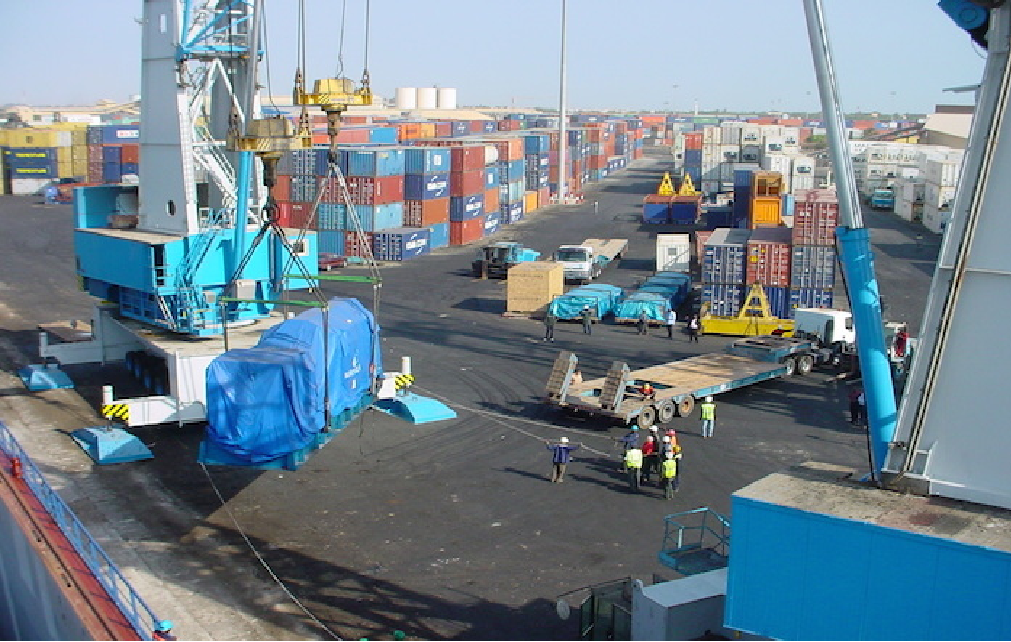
(831, 327)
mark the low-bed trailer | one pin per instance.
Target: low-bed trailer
(678, 384)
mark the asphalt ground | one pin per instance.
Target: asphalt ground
(442, 530)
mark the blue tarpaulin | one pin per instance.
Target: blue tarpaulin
(601, 297)
(267, 401)
(656, 307)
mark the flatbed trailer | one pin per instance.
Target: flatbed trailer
(606, 250)
(678, 384)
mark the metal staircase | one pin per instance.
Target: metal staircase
(193, 311)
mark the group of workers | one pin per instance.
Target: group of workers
(656, 455)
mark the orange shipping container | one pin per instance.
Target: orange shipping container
(282, 187)
(463, 232)
(544, 196)
(529, 201)
(491, 199)
(130, 153)
(693, 140)
(765, 211)
(424, 213)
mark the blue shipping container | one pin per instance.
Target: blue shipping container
(32, 157)
(465, 208)
(490, 126)
(510, 171)
(492, 222)
(383, 135)
(118, 134)
(426, 160)
(656, 213)
(112, 154)
(303, 188)
(724, 299)
(511, 212)
(491, 177)
(513, 191)
(461, 128)
(112, 172)
(742, 178)
(535, 180)
(439, 235)
(684, 213)
(724, 256)
(779, 302)
(331, 241)
(330, 216)
(789, 204)
(401, 244)
(809, 298)
(131, 168)
(536, 143)
(375, 218)
(422, 187)
(380, 161)
(813, 266)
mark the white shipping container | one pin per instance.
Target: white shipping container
(909, 172)
(801, 181)
(772, 131)
(934, 219)
(906, 210)
(778, 163)
(791, 136)
(803, 165)
(942, 172)
(909, 190)
(751, 134)
(731, 133)
(29, 186)
(711, 135)
(939, 196)
(751, 153)
(773, 145)
(857, 147)
(729, 153)
(673, 252)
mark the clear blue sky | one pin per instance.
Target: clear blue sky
(891, 55)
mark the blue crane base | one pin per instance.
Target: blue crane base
(110, 445)
(415, 408)
(44, 377)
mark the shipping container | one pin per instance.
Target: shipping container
(438, 235)
(296, 215)
(357, 244)
(513, 191)
(464, 208)
(463, 232)
(304, 189)
(809, 298)
(656, 213)
(724, 299)
(422, 187)
(467, 158)
(769, 254)
(383, 135)
(426, 160)
(815, 217)
(765, 211)
(492, 222)
(331, 216)
(813, 266)
(426, 213)
(373, 218)
(113, 134)
(685, 210)
(779, 301)
(535, 143)
(381, 161)
(466, 183)
(723, 259)
(331, 241)
(511, 212)
(530, 201)
(491, 177)
(378, 190)
(673, 253)
(401, 244)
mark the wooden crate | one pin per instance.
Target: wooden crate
(531, 286)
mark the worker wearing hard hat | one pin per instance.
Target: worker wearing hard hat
(708, 410)
(668, 473)
(561, 455)
(587, 316)
(630, 440)
(633, 463)
(163, 631)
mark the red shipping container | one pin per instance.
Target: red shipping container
(466, 183)
(443, 129)
(815, 217)
(491, 199)
(351, 135)
(476, 126)
(693, 140)
(425, 213)
(94, 172)
(768, 257)
(130, 153)
(509, 149)
(282, 187)
(595, 161)
(466, 158)
(357, 244)
(543, 196)
(294, 215)
(356, 120)
(380, 190)
(94, 153)
(463, 232)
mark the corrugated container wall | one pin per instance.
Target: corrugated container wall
(769, 254)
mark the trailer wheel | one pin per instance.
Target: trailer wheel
(665, 411)
(805, 364)
(791, 365)
(647, 417)
(685, 406)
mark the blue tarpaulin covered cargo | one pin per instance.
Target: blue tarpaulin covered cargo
(267, 401)
(601, 298)
(655, 304)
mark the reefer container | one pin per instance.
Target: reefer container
(813, 266)
(401, 244)
(769, 254)
(724, 256)
(673, 253)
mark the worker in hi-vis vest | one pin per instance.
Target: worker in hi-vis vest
(633, 462)
(708, 409)
(668, 473)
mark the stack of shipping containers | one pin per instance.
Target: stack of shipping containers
(812, 268)
(426, 192)
(768, 263)
(466, 193)
(723, 263)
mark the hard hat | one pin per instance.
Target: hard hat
(165, 625)
(564, 440)
(709, 399)
(670, 454)
(666, 438)
(634, 427)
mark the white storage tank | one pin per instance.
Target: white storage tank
(407, 98)
(427, 98)
(447, 98)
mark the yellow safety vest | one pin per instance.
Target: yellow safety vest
(669, 469)
(708, 410)
(633, 458)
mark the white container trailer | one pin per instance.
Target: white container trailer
(673, 252)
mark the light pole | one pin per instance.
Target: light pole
(673, 103)
(563, 173)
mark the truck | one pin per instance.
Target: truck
(584, 262)
(833, 331)
(883, 199)
(494, 260)
(677, 384)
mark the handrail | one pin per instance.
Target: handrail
(130, 603)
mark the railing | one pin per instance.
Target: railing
(693, 547)
(132, 605)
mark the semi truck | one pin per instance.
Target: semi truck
(677, 384)
(494, 260)
(584, 262)
(883, 199)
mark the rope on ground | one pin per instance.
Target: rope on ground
(507, 420)
(263, 562)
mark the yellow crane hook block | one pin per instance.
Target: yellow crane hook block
(666, 186)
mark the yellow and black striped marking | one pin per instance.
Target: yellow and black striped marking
(116, 411)
(404, 380)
